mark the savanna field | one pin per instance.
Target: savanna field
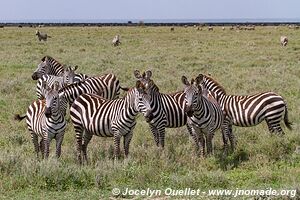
(243, 62)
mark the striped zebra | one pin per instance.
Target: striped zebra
(50, 66)
(249, 110)
(204, 114)
(168, 109)
(92, 85)
(42, 36)
(46, 119)
(94, 115)
(64, 79)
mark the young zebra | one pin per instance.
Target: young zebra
(46, 119)
(249, 110)
(94, 115)
(204, 115)
(65, 79)
(42, 36)
(168, 109)
(50, 66)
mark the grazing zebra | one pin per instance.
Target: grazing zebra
(50, 66)
(42, 36)
(168, 109)
(46, 119)
(116, 40)
(66, 78)
(204, 114)
(249, 110)
(94, 115)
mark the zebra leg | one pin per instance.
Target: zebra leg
(201, 141)
(161, 137)
(231, 137)
(274, 126)
(46, 145)
(194, 135)
(127, 139)
(35, 141)
(86, 139)
(224, 130)
(59, 138)
(209, 145)
(79, 134)
(155, 134)
(42, 148)
(117, 139)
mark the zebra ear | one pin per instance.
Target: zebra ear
(137, 74)
(199, 79)
(75, 68)
(185, 81)
(56, 86)
(45, 85)
(148, 74)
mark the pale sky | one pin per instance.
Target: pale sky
(148, 9)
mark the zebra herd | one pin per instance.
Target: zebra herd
(96, 109)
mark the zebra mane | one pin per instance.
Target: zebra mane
(208, 81)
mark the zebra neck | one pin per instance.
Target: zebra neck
(128, 104)
(199, 109)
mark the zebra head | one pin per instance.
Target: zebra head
(42, 68)
(51, 98)
(193, 92)
(69, 75)
(146, 80)
(37, 32)
(142, 101)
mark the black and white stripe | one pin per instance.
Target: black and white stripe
(46, 119)
(50, 66)
(168, 109)
(249, 110)
(94, 115)
(64, 79)
(204, 114)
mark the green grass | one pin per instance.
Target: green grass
(244, 62)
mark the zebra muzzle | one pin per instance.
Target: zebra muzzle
(189, 112)
(148, 116)
(48, 112)
(35, 76)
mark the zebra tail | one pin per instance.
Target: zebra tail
(286, 119)
(19, 117)
(123, 88)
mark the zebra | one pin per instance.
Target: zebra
(167, 109)
(66, 78)
(46, 119)
(50, 66)
(204, 114)
(250, 110)
(42, 36)
(94, 115)
(116, 40)
(106, 86)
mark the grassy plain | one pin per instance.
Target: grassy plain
(244, 62)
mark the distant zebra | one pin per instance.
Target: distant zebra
(46, 119)
(50, 66)
(168, 109)
(116, 40)
(284, 40)
(42, 36)
(94, 115)
(249, 110)
(66, 78)
(204, 115)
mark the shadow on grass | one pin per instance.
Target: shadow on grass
(232, 160)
